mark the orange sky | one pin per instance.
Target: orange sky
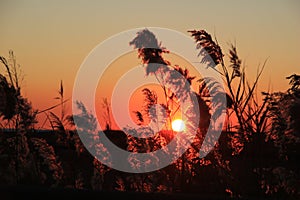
(51, 38)
(123, 64)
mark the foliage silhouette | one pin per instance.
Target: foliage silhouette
(256, 156)
(18, 114)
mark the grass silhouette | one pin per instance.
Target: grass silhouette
(255, 157)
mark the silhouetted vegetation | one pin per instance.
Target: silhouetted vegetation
(255, 156)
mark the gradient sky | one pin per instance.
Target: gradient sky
(51, 38)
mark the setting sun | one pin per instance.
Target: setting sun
(178, 125)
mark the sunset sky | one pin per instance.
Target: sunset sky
(51, 38)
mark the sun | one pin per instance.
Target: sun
(178, 125)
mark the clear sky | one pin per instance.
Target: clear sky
(51, 38)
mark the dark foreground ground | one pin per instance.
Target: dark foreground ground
(257, 154)
(28, 192)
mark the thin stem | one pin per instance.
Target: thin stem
(3, 60)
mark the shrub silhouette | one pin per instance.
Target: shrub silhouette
(256, 155)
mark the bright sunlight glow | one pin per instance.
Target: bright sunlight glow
(178, 125)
